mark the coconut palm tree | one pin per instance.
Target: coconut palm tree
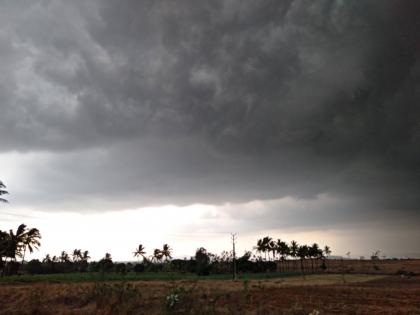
(157, 255)
(294, 247)
(64, 257)
(302, 253)
(283, 250)
(77, 255)
(47, 259)
(85, 256)
(166, 251)
(272, 248)
(260, 246)
(30, 240)
(16, 241)
(327, 251)
(313, 252)
(140, 251)
(2, 192)
(266, 245)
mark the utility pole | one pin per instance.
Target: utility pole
(234, 255)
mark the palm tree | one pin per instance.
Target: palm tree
(107, 257)
(157, 254)
(303, 252)
(16, 241)
(30, 240)
(266, 245)
(166, 251)
(283, 250)
(294, 247)
(272, 248)
(64, 257)
(47, 259)
(2, 192)
(85, 256)
(260, 246)
(140, 251)
(327, 251)
(77, 255)
(313, 252)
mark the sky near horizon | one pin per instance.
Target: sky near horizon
(127, 122)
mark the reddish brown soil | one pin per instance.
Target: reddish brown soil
(327, 294)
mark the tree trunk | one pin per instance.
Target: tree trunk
(24, 252)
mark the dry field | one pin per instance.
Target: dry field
(327, 294)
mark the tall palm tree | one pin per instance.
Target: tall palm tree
(166, 251)
(283, 250)
(140, 252)
(64, 257)
(2, 191)
(16, 241)
(85, 256)
(303, 252)
(327, 251)
(294, 247)
(30, 240)
(272, 248)
(260, 246)
(47, 259)
(266, 245)
(77, 255)
(313, 252)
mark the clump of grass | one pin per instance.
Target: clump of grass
(118, 298)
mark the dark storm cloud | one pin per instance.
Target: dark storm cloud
(187, 101)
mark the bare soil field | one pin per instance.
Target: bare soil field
(326, 294)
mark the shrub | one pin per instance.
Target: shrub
(139, 268)
(34, 267)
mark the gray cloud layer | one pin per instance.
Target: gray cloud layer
(153, 102)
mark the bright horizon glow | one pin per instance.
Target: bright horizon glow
(184, 228)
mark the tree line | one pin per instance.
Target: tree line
(15, 245)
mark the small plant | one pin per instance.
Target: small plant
(171, 300)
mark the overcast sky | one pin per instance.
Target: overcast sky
(126, 122)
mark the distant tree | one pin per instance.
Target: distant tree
(272, 248)
(313, 252)
(202, 259)
(2, 191)
(327, 251)
(106, 264)
(157, 255)
(47, 259)
(77, 255)
(64, 257)
(303, 252)
(30, 240)
(260, 246)
(294, 247)
(85, 256)
(375, 255)
(266, 245)
(140, 252)
(108, 257)
(166, 252)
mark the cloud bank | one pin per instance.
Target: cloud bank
(108, 105)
